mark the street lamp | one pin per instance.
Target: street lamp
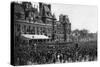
(35, 47)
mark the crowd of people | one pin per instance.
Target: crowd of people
(69, 55)
(26, 55)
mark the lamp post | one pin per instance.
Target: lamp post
(76, 35)
(35, 47)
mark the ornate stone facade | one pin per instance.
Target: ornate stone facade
(40, 22)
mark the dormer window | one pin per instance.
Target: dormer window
(48, 13)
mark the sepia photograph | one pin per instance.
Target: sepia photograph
(53, 33)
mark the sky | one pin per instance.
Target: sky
(80, 16)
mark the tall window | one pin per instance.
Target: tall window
(24, 29)
(33, 30)
(29, 29)
(41, 30)
(37, 30)
(18, 27)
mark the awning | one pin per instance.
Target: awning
(30, 36)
